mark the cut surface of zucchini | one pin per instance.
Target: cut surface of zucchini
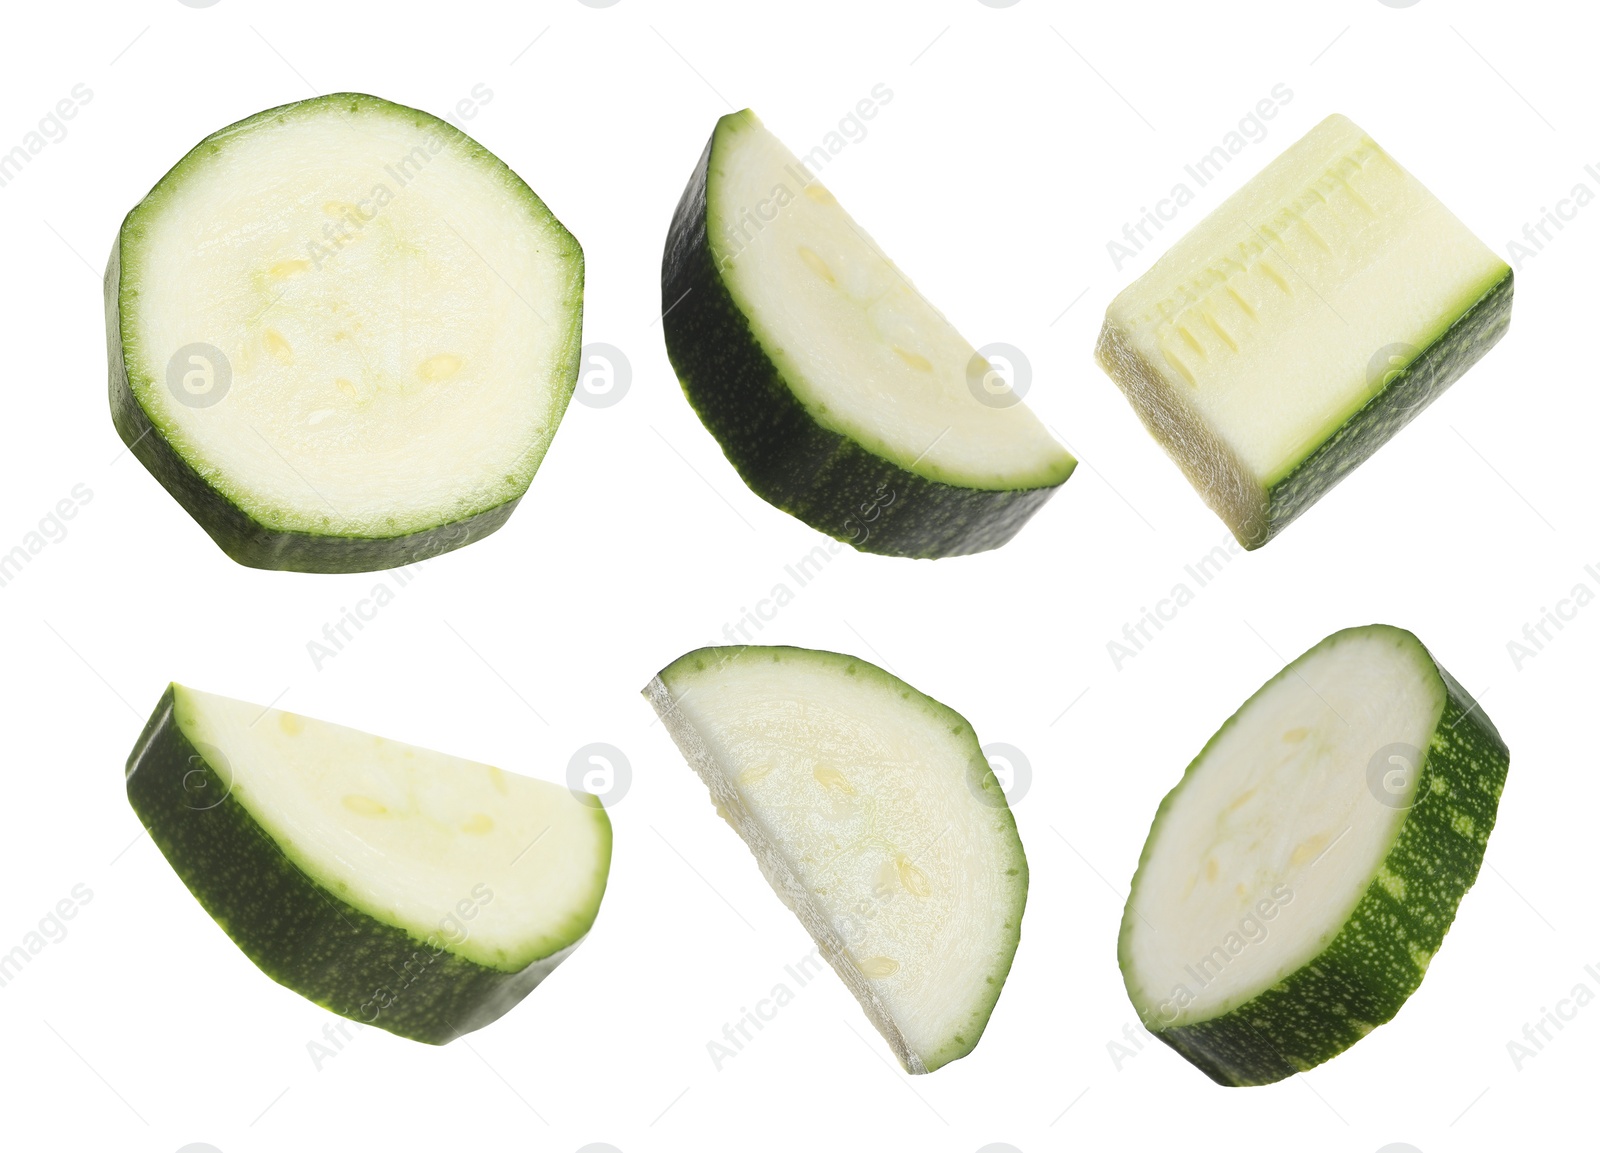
(1302, 324)
(875, 817)
(1302, 875)
(833, 386)
(342, 334)
(397, 886)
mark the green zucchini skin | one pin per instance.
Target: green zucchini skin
(244, 539)
(298, 932)
(1416, 386)
(779, 450)
(1378, 959)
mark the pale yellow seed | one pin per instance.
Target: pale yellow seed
(440, 367)
(364, 806)
(915, 359)
(913, 878)
(820, 194)
(1294, 736)
(1241, 799)
(875, 967)
(284, 269)
(290, 724)
(1308, 849)
(337, 208)
(345, 386)
(831, 778)
(753, 774)
(277, 346)
(1211, 870)
(498, 780)
(816, 264)
(478, 824)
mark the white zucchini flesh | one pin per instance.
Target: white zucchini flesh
(1281, 804)
(866, 353)
(1299, 879)
(1261, 334)
(403, 888)
(398, 311)
(874, 816)
(405, 833)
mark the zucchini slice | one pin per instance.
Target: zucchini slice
(1302, 875)
(342, 334)
(399, 887)
(834, 388)
(1302, 324)
(875, 817)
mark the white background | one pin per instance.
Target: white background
(1017, 143)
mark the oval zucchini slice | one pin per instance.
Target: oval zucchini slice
(1300, 878)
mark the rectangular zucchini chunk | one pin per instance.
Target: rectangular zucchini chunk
(1302, 324)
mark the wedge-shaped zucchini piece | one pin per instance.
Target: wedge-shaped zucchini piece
(1302, 324)
(402, 888)
(875, 817)
(342, 335)
(1302, 875)
(834, 388)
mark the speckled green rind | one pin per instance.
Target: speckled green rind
(1377, 960)
(689, 672)
(236, 532)
(1413, 388)
(780, 451)
(298, 932)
